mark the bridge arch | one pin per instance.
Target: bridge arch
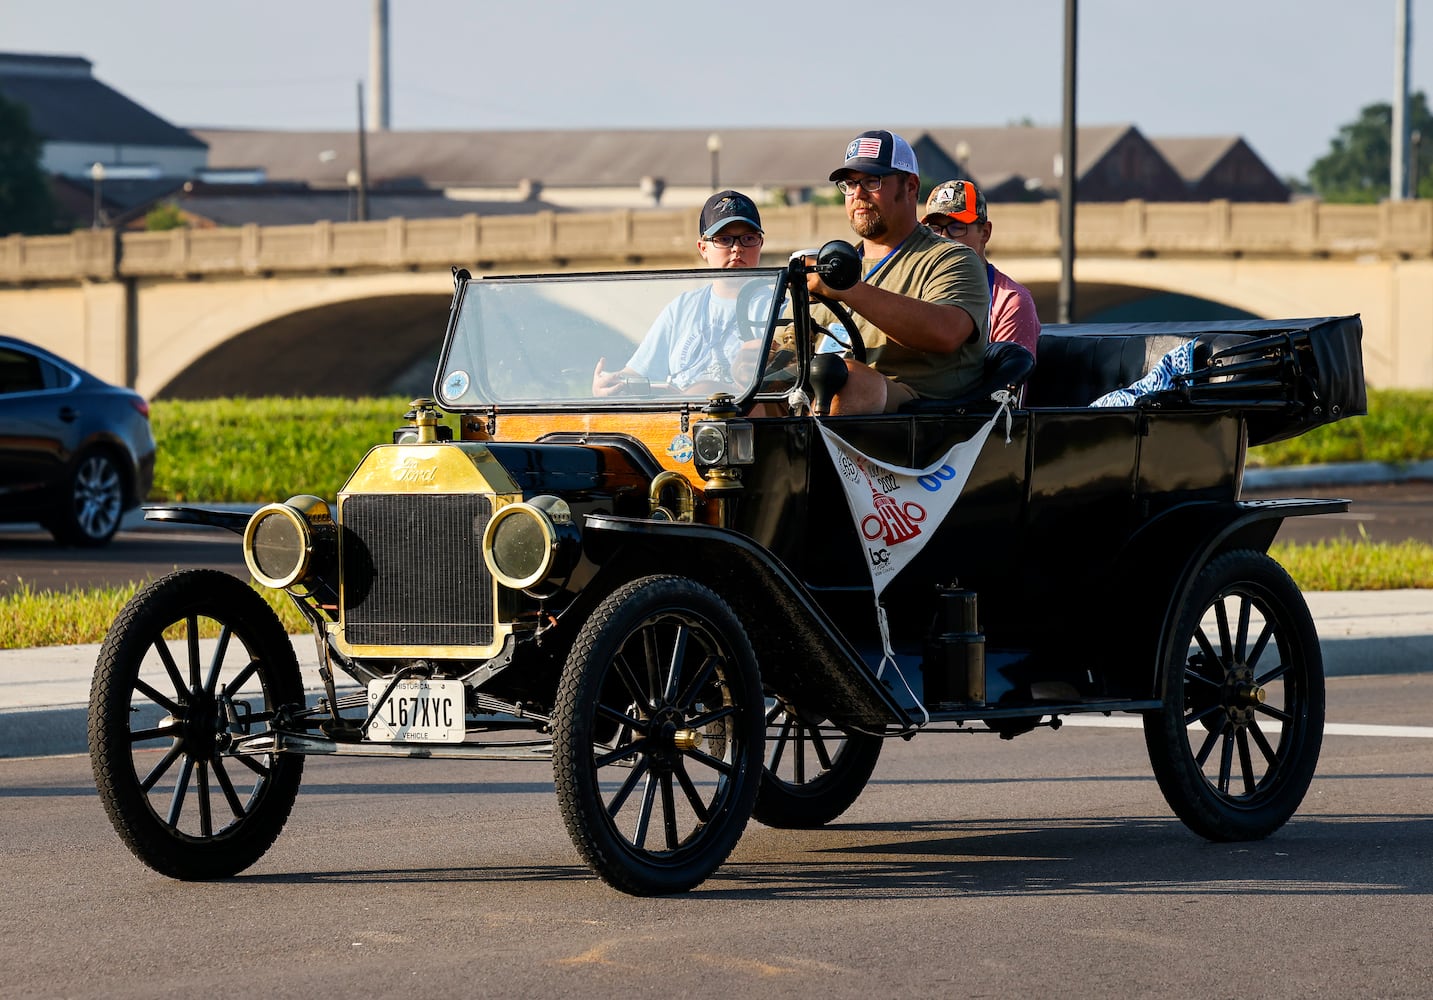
(1120, 303)
(297, 338)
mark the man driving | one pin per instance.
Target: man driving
(922, 307)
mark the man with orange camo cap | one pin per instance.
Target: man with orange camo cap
(956, 210)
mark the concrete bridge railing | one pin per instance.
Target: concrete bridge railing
(666, 238)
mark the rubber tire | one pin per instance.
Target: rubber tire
(650, 605)
(817, 800)
(93, 477)
(1204, 715)
(165, 848)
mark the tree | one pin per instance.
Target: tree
(1356, 167)
(26, 203)
(165, 215)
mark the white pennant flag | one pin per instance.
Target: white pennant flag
(897, 510)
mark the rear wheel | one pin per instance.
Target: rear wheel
(657, 735)
(93, 500)
(171, 717)
(1235, 746)
(814, 770)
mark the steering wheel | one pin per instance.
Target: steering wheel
(750, 327)
(852, 341)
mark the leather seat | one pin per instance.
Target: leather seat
(1007, 365)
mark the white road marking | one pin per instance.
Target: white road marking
(1330, 728)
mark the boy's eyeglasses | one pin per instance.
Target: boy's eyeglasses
(727, 242)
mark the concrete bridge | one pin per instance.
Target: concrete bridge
(359, 308)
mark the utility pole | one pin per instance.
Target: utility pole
(1067, 172)
(362, 161)
(1398, 161)
(378, 68)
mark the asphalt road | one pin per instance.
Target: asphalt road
(1049, 865)
(1386, 512)
(1391, 512)
(33, 558)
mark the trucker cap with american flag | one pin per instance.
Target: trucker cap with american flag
(877, 152)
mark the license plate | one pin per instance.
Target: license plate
(418, 711)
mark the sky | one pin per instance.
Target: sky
(1284, 74)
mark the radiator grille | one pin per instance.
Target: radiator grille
(413, 571)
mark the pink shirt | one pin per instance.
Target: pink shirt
(1012, 312)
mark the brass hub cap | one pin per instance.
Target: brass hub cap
(1241, 695)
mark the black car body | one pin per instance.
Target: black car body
(75, 451)
(664, 591)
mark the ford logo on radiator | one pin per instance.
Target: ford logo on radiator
(413, 470)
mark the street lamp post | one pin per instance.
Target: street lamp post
(714, 148)
(962, 157)
(97, 175)
(1415, 146)
(352, 179)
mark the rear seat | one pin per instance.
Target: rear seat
(1077, 365)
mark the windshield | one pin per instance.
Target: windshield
(609, 339)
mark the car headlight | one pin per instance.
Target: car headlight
(279, 541)
(724, 442)
(526, 544)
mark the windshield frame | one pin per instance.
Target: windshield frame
(483, 399)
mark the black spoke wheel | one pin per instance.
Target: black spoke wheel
(814, 771)
(171, 718)
(657, 736)
(1235, 746)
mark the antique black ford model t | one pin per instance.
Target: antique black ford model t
(664, 590)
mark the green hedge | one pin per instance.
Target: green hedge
(262, 450)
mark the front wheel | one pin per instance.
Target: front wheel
(1236, 742)
(814, 771)
(657, 736)
(177, 725)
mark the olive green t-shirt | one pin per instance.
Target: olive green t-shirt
(932, 269)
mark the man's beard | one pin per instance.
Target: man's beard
(874, 225)
(870, 226)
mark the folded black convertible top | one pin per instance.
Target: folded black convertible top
(1287, 375)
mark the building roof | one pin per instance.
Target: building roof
(67, 104)
(997, 154)
(606, 158)
(557, 158)
(1194, 156)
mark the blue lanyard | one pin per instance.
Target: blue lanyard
(880, 263)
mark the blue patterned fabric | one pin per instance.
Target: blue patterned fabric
(1179, 361)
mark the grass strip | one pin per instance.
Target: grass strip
(1398, 428)
(30, 617)
(1349, 564)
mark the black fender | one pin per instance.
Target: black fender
(233, 520)
(1161, 560)
(802, 653)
